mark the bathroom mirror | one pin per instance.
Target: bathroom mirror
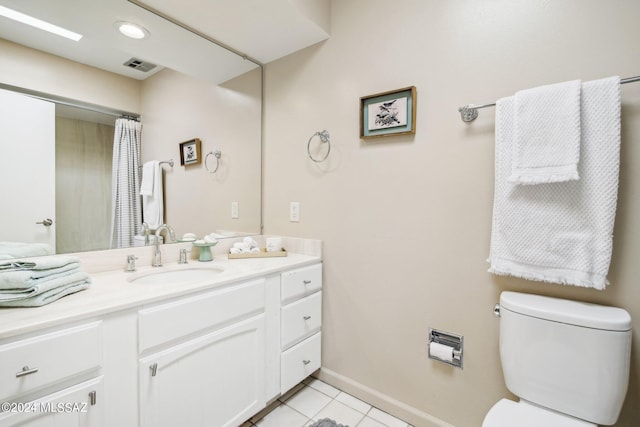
(197, 89)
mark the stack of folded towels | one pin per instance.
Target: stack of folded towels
(247, 246)
(39, 281)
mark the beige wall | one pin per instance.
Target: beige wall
(35, 70)
(405, 221)
(178, 108)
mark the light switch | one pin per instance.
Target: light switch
(294, 212)
(235, 210)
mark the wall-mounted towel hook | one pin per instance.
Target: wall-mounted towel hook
(217, 154)
(325, 139)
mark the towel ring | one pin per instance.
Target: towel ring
(324, 137)
(217, 154)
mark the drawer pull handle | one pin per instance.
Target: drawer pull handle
(306, 282)
(26, 371)
(92, 397)
(306, 362)
(307, 317)
(154, 369)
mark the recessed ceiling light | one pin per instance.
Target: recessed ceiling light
(38, 23)
(131, 30)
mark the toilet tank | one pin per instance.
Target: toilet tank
(569, 356)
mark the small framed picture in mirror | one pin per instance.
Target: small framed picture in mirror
(190, 153)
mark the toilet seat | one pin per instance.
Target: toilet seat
(507, 413)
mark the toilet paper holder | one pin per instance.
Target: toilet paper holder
(441, 338)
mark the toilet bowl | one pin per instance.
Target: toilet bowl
(507, 413)
(566, 361)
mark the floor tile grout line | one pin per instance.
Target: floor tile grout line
(305, 384)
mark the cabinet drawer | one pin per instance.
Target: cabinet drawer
(299, 362)
(71, 406)
(301, 319)
(29, 364)
(300, 282)
(167, 322)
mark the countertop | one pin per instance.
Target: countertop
(111, 292)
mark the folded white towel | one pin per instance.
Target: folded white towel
(560, 232)
(547, 134)
(48, 296)
(148, 177)
(43, 285)
(44, 263)
(25, 279)
(153, 204)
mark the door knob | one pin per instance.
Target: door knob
(46, 222)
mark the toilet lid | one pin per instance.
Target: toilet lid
(507, 413)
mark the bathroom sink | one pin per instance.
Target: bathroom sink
(178, 274)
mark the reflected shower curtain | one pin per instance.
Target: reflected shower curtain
(125, 190)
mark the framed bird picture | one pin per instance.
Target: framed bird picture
(388, 113)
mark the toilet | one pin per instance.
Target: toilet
(566, 361)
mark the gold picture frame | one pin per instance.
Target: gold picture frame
(388, 113)
(190, 152)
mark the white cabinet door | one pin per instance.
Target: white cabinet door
(217, 379)
(77, 406)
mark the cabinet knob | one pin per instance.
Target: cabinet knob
(26, 370)
(306, 317)
(306, 362)
(154, 369)
(92, 397)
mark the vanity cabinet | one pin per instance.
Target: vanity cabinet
(53, 379)
(301, 320)
(214, 377)
(214, 356)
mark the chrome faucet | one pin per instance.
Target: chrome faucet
(157, 255)
(183, 257)
(145, 232)
(131, 263)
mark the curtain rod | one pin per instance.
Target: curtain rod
(469, 112)
(70, 102)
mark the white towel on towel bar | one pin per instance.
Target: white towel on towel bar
(148, 178)
(547, 134)
(560, 232)
(153, 203)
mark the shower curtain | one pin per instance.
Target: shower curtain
(125, 190)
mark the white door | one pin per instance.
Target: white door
(214, 380)
(27, 169)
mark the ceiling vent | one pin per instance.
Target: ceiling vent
(139, 65)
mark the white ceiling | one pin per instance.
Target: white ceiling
(263, 30)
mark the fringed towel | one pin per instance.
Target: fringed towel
(546, 145)
(561, 232)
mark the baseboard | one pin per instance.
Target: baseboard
(413, 416)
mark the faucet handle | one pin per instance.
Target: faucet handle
(131, 263)
(183, 256)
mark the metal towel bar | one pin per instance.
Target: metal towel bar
(469, 112)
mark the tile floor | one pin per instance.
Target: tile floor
(313, 400)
